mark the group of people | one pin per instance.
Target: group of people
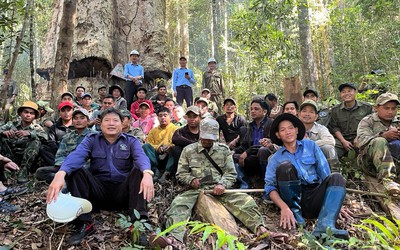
(111, 151)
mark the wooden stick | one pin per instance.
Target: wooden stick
(356, 191)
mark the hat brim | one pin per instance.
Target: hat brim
(310, 91)
(111, 89)
(342, 86)
(229, 99)
(286, 117)
(208, 136)
(37, 114)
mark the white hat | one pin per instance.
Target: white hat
(212, 59)
(134, 52)
(67, 208)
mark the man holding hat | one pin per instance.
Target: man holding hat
(134, 75)
(199, 173)
(141, 97)
(318, 133)
(298, 179)
(212, 80)
(378, 137)
(69, 142)
(345, 118)
(20, 141)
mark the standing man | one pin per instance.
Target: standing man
(378, 137)
(345, 118)
(134, 74)
(12, 93)
(212, 80)
(119, 175)
(182, 82)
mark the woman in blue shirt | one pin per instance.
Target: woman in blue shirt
(298, 179)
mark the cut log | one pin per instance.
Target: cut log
(390, 206)
(210, 210)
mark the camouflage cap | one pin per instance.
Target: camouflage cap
(309, 103)
(125, 113)
(44, 105)
(193, 109)
(202, 99)
(387, 97)
(81, 111)
(209, 129)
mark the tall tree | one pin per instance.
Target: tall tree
(308, 66)
(64, 50)
(31, 52)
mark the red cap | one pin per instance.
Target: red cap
(65, 104)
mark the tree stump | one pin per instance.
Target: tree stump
(210, 210)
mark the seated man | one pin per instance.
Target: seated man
(202, 103)
(324, 110)
(102, 91)
(118, 94)
(291, 107)
(6, 192)
(251, 156)
(159, 99)
(318, 133)
(145, 121)
(378, 137)
(141, 97)
(212, 106)
(345, 118)
(63, 126)
(178, 116)
(88, 104)
(298, 179)
(69, 142)
(108, 102)
(119, 175)
(127, 126)
(230, 123)
(159, 144)
(21, 140)
(193, 168)
(186, 135)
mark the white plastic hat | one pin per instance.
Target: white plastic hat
(134, 52)
(212, 59)
(67, 208)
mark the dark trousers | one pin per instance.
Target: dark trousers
(176, 154)
(312, 195)
(130, 92)
(108, 195)
(46, 173)
(48, 154)
(184, 92)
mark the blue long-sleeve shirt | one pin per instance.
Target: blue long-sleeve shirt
(108, 162)
(308, 159)
(179, 79)
(133, 70)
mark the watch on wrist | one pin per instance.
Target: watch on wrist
(149, 172)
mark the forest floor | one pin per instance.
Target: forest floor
(30, 228)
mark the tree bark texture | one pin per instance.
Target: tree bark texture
(31, 53)
(104, 32)
(309, 70)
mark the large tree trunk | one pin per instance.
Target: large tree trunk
(64, 51)
(31, 54)
(310, 77)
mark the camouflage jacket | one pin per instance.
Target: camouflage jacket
(36, 133)
(370, 127)
(68, 144)
(194, 164)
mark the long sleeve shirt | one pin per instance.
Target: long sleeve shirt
(194, 164)
(135, 108)
(145, 124)
(370, 127)
(36, 132)
(179, 79)
(183, 137)
(133, 70)
(161, 136)
(320, 135)
(308, 159)
(108, 162)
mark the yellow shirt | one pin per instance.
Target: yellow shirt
(161, 136)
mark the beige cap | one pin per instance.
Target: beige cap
(202, 99)
(387, 97)
(209, 129)
(309, 103)
(193, 109)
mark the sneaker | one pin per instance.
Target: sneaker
(393, 188)
(86, 229)
(6, 207)
(13, 191)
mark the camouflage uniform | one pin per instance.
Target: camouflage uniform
(375, 155)
(23, 150)
(68, 144)
(346, 121)
(215, 83)
(194, 165)
(138, 133)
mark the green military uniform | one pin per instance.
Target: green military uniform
(138, 133)
(213, 81)
(23, 150)
(346, 121)
(68, 144)
(193, 164)
(212, 106)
